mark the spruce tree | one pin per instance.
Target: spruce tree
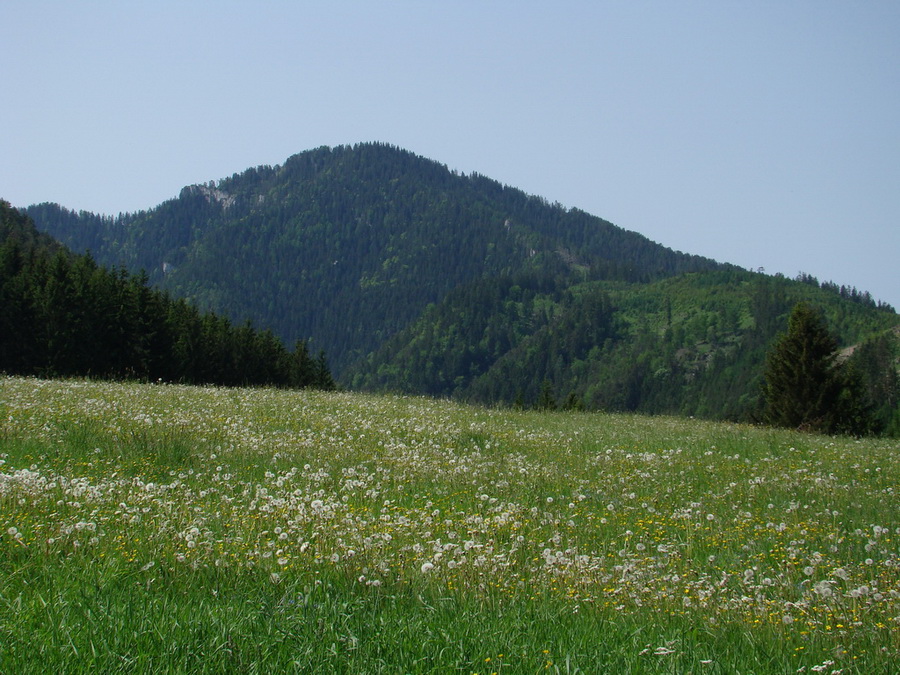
(803, 384)
(546, 401)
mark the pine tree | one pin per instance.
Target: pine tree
(804, 387)
(323, 379)
(546, 401)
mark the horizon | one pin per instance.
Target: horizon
(761, 136)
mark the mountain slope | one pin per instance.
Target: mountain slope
(694, 344)
(418, 279)
(348, 245)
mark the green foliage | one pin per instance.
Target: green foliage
(804, 386)
(689, 345)
(63, 315)
(347, 246)
(801, 386)
(876, 366)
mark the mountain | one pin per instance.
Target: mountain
(420, 279)
(369, 232)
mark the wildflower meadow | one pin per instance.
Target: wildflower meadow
(160, 528)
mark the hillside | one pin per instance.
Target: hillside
(62, 315)
(369, 232)
(415, 278)
(690, 345)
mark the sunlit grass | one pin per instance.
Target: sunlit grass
(163, 528)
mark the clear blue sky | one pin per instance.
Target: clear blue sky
(766, 134)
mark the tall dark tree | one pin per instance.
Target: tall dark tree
(805, 387)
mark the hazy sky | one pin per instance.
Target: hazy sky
(766, 134)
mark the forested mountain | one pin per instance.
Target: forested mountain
(348, 245)
(63, 315)
(416, 278)
(694, 344)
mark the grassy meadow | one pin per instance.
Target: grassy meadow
(155, 528)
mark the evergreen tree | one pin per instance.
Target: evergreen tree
(63, 315)
(546, 401)
(804, 386)
(875, 361)
(323, 378)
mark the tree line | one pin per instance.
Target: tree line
(847, 292)
(63, 315)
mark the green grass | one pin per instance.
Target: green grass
(154, 528)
